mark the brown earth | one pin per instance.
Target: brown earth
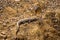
(46, 27)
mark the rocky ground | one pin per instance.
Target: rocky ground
(29, 19)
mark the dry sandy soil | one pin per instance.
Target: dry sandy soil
(29, 19)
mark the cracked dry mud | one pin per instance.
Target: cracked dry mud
(46, 27)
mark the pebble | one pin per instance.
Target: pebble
(17, 0)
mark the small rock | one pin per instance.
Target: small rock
(17, 0)
(4, 24)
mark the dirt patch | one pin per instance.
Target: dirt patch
(29, 19)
